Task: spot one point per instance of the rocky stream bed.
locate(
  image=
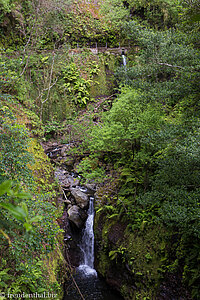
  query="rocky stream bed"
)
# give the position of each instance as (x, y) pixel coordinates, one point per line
(76, 198)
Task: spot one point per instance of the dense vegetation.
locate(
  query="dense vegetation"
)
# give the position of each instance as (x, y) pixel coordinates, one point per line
(143, 149)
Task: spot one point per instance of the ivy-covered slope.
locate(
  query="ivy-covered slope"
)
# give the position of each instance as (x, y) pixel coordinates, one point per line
(31, 238)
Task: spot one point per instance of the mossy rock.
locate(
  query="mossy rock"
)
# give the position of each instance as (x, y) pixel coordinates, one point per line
(133, 259)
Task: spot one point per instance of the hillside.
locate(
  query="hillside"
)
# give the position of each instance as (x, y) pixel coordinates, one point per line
(108, 91)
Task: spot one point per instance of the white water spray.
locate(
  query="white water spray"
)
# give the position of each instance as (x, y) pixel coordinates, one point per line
(124, 60)
(87, 243)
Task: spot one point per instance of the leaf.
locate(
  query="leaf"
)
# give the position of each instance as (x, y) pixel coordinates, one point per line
(36, 219)
(16, 211)
(23, 195)
(6, 236)
(27, 226)
(5, 187)
(113, 254)
(112, 216)
(25, 208)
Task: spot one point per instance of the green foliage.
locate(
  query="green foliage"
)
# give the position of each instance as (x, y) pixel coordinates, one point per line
(13, 140)
(51, 128)
(75, 85)
(115, 13)
(9, 76)
(151, 134)
(167, 68)
(5, 7)
(91, 169)
(128, 120)
(120, 252)
(24, 249)
(23, 243)
(157, 13)
(191, 10)
(19, 212)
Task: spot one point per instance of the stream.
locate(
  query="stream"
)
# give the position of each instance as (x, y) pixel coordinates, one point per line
(78, 219)
(91, 286)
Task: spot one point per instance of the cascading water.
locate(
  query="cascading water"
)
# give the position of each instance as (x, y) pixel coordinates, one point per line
(91, 286)
(124, 60)
(87, 243)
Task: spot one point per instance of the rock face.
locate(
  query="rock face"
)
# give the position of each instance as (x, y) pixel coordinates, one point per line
(81, 198)
(65, 179)
(77, 216)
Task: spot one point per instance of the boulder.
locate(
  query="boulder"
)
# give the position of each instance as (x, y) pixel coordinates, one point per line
(60, 174)
(65, 179)
(77, 216)
(69, 206)
(81, 198)
(73, 181)
(91, 186)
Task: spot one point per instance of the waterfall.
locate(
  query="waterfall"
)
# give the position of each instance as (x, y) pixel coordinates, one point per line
(87, 243)
(124, 60)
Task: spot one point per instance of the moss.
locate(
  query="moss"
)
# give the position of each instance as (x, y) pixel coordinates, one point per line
(104, 264)
(101, 234)
(103, 82)
(138, 256)
(144, 260)
(41, 168)
(54, 269)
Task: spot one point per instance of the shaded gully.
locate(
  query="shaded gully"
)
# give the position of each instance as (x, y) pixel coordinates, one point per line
(78, 219)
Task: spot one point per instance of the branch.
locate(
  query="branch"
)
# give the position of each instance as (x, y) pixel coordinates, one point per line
(50, 85)
(50, 79)
(70, 270)
(49, 88)
(169, 65)
(25, 65)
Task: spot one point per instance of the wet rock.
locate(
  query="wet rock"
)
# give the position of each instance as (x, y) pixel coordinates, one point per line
(64, 150)
(116, 233)
(67, 237)
(91, 186)
(81, 198)
(73, 182)
(65, 179)
(60, 174)
(73, 202)
(77, 216)
(66, 226)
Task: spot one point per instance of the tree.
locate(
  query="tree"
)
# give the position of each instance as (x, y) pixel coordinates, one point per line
(160, 14)
(167, 67)
(125, 124)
